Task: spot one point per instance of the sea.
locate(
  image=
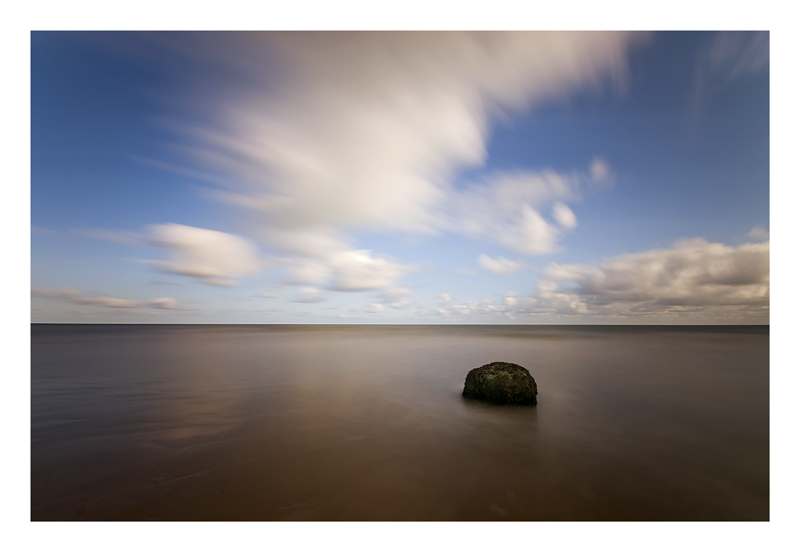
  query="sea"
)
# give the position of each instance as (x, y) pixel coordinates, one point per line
(367, 423)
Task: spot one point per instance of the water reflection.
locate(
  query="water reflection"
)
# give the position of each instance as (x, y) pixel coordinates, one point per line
(369, 423)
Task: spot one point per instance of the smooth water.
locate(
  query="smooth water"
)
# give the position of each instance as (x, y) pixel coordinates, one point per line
(230, 422)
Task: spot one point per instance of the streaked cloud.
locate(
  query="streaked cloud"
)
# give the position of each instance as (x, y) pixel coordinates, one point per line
(78, 298)
(215, 257)
(361, 270)
(506, 208)
(166, 303)
(73, 296)
(397, 298)
(738, 53)
(729, 56)
(564, 215)
(499, 266)
(758, 233)
(365, 131)
(308, 295)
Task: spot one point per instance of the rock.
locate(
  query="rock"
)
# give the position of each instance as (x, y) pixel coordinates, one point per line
(501, 383)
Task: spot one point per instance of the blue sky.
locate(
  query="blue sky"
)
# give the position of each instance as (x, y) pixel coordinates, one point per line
(400, 177)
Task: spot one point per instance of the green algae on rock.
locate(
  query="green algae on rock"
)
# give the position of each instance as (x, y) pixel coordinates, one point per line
(501, 383)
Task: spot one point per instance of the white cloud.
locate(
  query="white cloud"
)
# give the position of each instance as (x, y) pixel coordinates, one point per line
(75, 297)
(469, 309)
(269, 295)
(375, 308)
(694, 273)
(505, 208)
(694, 280)
(564, 215)
(500, 266)
(599, 170)
(308, 295)
(758, 233)
(397, 298)
(163, 303)
(358, 131)
(738, 53)
(303, 271)
(444, 299)
(216, 257)
(729, 56)
(344, 270)
(361, 270)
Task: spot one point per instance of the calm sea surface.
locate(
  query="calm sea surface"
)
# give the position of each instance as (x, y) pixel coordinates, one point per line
(230, 422)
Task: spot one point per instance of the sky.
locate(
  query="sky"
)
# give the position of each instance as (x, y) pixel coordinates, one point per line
(401, 177)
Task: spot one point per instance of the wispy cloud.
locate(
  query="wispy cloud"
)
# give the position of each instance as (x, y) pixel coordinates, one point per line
(758, 233)
(736, 53)
(499, 266)
(397, 298)
(728, 56)
(506, 208)
(308, 295)
(73, 296)
(77, 298)
(166, 303)
(215, 257)
(365, 131)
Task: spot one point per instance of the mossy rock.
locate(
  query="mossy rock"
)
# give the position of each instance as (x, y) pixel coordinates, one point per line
(501, 383)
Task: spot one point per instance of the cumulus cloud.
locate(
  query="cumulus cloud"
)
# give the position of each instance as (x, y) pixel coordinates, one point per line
(709, 281)
(470, 309)
(692, 273)
(375, 308)
(499, 266)
(444, 299)
(329, 134)
(215, 257)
